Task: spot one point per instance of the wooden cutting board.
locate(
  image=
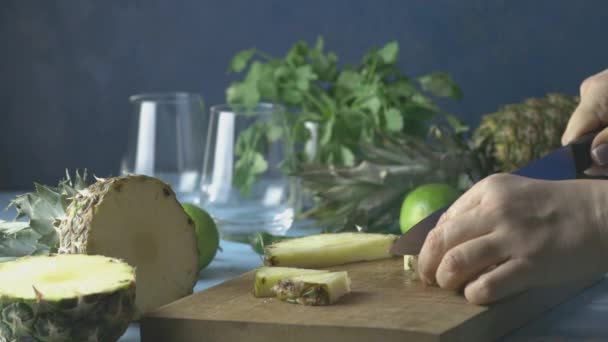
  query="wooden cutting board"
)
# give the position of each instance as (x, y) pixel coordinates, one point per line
(385, 305)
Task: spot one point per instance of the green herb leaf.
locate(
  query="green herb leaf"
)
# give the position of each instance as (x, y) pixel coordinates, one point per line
(349, 79)
(304, 75)
(240, 60)
(457, 125)
(373, 104)
(389, 52)
(348, 158)
(259, 164)
(440, 84)
(243, 93)
(394, 120)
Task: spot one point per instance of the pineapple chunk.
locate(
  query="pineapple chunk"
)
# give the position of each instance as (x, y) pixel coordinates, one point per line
(267, 277)
(314, 289)
(410, 262)
(325, 250)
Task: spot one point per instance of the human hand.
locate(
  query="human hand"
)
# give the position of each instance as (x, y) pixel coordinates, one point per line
(509, 233)
(592, 114)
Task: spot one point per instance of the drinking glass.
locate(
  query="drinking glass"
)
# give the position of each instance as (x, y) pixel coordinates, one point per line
(166, 140)
(241, 142)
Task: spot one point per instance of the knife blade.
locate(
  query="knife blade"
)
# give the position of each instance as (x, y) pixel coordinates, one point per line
(560, 164)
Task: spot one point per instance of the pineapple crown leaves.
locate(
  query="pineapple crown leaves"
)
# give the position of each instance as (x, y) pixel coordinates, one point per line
(368, 196)
(45, 207)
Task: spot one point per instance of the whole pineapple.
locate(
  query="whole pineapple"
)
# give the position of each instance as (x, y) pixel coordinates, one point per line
(519, 133)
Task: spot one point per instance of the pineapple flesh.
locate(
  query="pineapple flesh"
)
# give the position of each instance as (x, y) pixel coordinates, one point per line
(314, 289)
(267, 277)
(66, 298)
(410, 262)
(329, 249)
(138, 219)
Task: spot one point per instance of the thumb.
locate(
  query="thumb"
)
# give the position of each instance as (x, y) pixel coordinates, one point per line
(592, 110)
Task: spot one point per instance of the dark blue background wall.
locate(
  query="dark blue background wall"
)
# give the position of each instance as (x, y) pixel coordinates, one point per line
(67, 67)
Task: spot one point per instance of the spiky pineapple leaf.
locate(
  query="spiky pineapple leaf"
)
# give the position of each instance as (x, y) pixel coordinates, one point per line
(17, 239)
(368, 196)
(44, 208)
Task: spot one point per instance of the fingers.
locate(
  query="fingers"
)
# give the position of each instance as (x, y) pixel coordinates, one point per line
(584, 119)
(463, 227)
(509, 278)
(469, 200)
(467, 260)
(599, 149)
(592, 111)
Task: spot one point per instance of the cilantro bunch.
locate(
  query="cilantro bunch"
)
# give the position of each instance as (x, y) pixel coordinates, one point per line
(351, 105)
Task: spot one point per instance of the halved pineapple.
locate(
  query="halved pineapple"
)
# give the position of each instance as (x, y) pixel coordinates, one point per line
(138, 219)
(67, 297)
(325, 250)
(267, 277)
(314, 289)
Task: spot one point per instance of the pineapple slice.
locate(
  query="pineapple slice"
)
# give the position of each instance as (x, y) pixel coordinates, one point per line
(68, 297)
(267, 277)
(325, 250)
(314, 289)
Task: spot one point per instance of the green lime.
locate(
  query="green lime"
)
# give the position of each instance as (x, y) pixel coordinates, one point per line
(207, 235)
(423, 201)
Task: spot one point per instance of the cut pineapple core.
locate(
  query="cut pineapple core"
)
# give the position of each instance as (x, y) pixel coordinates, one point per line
(325, 250)
(67, 297)
(267, 277)
(314, 289)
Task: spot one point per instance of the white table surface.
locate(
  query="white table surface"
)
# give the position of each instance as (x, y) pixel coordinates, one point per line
(582, 318)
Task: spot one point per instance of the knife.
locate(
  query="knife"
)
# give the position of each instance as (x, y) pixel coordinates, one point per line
(560, 164)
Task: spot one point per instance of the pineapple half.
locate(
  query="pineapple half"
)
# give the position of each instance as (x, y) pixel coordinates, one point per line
(138, 219)
(66, 298)
(329, 249)
(314, 289)
(267, 277)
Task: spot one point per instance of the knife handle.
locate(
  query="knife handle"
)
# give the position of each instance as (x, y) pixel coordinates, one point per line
(581, 149)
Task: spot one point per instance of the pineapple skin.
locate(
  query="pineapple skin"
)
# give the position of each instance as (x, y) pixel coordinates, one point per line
(95, 317)
(340, 248)
(306, 291)
(267, 277)
(519, 133)
(74, 229)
